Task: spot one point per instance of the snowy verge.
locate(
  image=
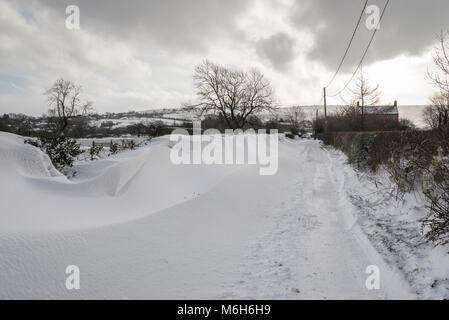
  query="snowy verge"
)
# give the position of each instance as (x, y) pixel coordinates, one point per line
(390, 232)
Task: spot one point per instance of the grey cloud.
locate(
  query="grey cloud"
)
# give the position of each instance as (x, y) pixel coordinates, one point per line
(409, 27)
(188, 25)
(143, 51)
(164, 36)
(278, 49)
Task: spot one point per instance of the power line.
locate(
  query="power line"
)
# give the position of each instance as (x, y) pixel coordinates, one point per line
(349, 44)
(366, 51)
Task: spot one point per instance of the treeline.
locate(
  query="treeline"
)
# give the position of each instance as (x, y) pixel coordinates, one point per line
(81, 126)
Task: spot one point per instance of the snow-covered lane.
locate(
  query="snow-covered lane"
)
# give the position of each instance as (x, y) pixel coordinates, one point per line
(307, 253)
(249, 236)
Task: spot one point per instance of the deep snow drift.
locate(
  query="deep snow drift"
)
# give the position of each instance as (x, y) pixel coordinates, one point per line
(125, 187)
(138, 226)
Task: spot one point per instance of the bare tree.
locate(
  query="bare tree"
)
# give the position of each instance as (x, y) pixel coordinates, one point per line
(436, 114)
(441, 60)
(235, 95)
(65, 103)
(363, 93)
(295, 115)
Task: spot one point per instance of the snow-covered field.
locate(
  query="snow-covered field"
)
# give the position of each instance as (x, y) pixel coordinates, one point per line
(121, 123)
(138, 226)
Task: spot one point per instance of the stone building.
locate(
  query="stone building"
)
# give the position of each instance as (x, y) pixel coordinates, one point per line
(376, 118)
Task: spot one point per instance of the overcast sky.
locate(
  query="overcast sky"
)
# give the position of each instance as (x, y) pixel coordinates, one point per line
(140, 54)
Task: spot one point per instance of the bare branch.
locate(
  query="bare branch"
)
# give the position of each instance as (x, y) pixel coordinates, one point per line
(65, 103)
(233, 94)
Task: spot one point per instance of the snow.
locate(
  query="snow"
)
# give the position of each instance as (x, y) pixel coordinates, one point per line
(391, 224)
(124, 122)
(139, 227)
(128, 186)
(25, 159)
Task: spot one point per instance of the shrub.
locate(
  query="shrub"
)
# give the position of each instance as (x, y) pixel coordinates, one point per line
(359, 150)
(3, 125)
(437, 194)
(113, 148)
(412, 159)
(297, 131)
(272, 124)
(318, 126)
(128, 144)
(406, 124)
(95, 150)
(62, 151)
(436, 190)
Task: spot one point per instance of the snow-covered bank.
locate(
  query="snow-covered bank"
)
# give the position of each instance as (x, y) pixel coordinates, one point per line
(139, 227)
(389, 228)
(39, 202)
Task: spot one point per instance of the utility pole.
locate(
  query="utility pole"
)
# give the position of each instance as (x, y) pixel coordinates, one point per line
(325, 110)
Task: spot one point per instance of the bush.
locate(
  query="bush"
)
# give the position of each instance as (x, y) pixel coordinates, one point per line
(3, 125)
(128, 144)
(272, 124)
(436, 190)
(113, 148)
(318, 126)
(412, 159)
(95, 150)
(437, 194)
(359, 150)
(62, 151)
(297, 131)
(406, 124)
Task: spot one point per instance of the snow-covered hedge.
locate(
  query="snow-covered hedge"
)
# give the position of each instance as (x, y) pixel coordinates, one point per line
(416, 161)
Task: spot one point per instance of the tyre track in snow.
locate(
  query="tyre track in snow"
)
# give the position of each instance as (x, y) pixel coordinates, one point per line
(306, 252)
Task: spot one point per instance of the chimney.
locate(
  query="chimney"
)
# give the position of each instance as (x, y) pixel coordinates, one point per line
(395, 103)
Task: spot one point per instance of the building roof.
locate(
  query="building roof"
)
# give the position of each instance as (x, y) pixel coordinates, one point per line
(391, 110)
